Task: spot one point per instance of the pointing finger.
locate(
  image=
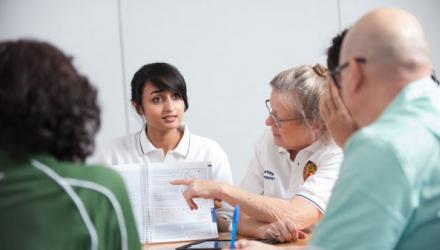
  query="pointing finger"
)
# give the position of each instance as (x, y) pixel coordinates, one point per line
(181, 182)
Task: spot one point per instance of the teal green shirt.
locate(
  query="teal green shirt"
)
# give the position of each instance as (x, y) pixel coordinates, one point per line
(47, 204)
(388, 192)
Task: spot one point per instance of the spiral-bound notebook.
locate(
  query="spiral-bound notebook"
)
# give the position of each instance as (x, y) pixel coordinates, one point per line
(160, 211)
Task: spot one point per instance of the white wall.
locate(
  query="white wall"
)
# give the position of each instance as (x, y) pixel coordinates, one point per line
(87, 30)
(227, 50)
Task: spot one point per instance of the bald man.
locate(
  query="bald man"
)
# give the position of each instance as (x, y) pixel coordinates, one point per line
(388, 192)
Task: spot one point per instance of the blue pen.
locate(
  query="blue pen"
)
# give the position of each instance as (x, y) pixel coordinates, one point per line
(234, 226)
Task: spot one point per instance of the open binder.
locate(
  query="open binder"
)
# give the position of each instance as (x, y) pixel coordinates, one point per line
(159, 208)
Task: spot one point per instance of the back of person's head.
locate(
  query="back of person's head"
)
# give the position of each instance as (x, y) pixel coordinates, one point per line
(46, 106)
(334, 50)
(163, 76)
(303, 86)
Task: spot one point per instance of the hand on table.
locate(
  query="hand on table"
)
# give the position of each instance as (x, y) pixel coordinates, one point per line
(283, 231)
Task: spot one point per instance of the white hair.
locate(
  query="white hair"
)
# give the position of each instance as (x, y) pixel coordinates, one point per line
(302, 88)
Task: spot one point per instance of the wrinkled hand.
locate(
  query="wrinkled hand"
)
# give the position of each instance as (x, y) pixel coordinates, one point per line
(196, 188)
(336, 116)
(251, 244)
(283, 231)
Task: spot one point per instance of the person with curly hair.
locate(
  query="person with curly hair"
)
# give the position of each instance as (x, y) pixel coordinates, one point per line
(48, 120)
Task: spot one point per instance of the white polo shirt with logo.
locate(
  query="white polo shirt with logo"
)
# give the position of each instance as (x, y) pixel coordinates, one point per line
(311, 175)
(138, 149)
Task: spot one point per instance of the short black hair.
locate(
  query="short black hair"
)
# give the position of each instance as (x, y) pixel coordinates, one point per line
(163, 76)
(46, 106)
(334, 50)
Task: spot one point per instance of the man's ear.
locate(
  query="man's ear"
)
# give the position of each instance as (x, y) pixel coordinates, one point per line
(356, 77)
(139, 109)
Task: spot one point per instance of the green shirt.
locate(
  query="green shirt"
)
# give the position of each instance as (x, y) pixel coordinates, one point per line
(388, 192)
(47, 204)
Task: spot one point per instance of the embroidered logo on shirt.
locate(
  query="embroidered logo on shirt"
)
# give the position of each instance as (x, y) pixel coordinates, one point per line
(268, 175)
(309, 169)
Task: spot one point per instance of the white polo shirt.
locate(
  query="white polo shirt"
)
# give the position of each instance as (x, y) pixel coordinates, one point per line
(137, 148)
(272, 173)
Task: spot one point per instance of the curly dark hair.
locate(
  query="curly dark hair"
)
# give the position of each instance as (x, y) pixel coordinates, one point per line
(46, 106)
(334, 50)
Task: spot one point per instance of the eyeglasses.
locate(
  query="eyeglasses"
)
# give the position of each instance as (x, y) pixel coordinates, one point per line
(278, 122)
(434, 77)
(336, 72)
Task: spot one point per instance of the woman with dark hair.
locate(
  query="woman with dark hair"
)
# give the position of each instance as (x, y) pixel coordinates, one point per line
(335, 114)
(48, 198)
(158, 93)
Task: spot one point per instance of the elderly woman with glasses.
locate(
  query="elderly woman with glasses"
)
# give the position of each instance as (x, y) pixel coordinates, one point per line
(294, 167)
